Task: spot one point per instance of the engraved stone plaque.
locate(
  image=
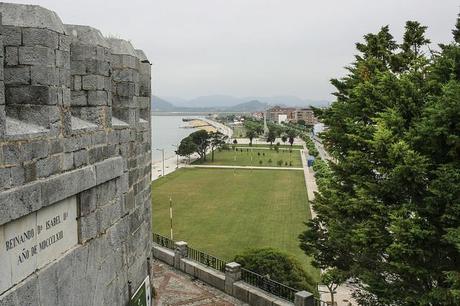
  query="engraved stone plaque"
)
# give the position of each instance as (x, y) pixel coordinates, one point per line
(31, 242)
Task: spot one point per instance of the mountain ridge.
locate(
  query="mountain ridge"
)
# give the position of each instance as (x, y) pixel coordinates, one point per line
(214, 103)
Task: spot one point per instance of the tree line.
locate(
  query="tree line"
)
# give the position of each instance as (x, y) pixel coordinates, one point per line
(388, 211)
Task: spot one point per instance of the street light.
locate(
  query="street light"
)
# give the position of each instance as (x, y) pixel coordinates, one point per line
(163, 156)
(177, 156)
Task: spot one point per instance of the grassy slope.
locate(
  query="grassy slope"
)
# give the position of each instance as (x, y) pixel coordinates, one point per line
(244, 158)
(224, 213)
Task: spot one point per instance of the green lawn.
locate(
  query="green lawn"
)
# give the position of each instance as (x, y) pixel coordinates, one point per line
(224, 212)
(238, 158)
(239, 132)
(268, 146)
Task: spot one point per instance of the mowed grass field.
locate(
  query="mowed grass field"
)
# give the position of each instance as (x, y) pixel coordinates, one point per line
(238, 158)
(259, 145)
(223, 212)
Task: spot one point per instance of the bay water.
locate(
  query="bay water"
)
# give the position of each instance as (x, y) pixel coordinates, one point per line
(167, 133)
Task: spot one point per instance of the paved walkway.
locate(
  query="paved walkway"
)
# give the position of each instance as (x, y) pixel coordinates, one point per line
(244, 167)
(174, 288)
(265, 148)
(343, 292)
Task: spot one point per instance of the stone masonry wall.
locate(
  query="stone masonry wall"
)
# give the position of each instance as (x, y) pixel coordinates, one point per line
(70, 126)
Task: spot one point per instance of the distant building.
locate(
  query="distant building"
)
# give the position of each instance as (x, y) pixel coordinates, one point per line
(282, 118)
(290, 114)
(307, 115)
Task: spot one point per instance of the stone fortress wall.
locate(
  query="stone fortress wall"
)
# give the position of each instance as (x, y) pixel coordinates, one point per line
(75, 162)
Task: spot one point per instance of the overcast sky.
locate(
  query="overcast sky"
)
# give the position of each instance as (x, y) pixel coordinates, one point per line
(251, 47)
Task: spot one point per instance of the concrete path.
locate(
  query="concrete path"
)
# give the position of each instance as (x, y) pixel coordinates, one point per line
(174, 288)
(343, 293)
(265, 148)
(244, 167)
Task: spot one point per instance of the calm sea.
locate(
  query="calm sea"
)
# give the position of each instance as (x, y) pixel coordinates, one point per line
(167, 132)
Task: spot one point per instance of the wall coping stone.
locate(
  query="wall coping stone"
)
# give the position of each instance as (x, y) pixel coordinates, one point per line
(86, 35)
(33, 16)
(121, 46)
(23, 200)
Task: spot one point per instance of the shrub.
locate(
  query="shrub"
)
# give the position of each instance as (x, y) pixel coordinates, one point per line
(280, 163)
(270, 161)
(263, 153)
(290, 163)
(285, 163)
(279, 266)
(260, 162)
(258, 153)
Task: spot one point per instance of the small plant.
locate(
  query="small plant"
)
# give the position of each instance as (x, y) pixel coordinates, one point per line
(285, 163)
(280, 163)
(247, 150)
(258, 153)
(260, 162)
(270, 161)
(290, 163)
(235, 141)
(263, 153)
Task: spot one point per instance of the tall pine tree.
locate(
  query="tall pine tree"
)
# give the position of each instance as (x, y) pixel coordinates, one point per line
(389, 214)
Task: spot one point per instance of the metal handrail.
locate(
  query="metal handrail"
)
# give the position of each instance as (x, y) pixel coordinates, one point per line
(268, 285)
(163, 241)
(206, 259)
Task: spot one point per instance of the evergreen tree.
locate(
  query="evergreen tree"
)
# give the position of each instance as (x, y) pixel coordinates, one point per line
(388, 214)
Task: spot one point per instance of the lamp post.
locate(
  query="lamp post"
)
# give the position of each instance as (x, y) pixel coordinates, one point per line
(177, 156)
(163, 157)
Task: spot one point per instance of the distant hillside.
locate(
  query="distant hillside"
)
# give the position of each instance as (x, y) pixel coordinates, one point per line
(160, 105)
(222, 103)
(251, 106)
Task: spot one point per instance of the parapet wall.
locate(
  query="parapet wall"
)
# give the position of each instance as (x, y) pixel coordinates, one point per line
(75, 162)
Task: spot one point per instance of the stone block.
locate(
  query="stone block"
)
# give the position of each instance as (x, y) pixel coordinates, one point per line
(48, 166)
(88, 228)
(35, 149)
(304, 298)
(80, 158)
(126, 89)
(12, 36)
(35, 94)
(77, 67)
(88, 200)
(36, 55)
(99, 138)
(56, 146)
(64, 42)
(64, 77)
(41, 75)
(241, 291)
(109, 169)
(17, 176)
(98, 97)
(2, 101)
(76, 82)
(78, 98)
(12, 154)
(11, 56)
(20, 201)
(17, 75)
(67, 161)
(63, 59)
(5, 181)
(42, 37)
(93, 82)
(67, 184)
(2, 127)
